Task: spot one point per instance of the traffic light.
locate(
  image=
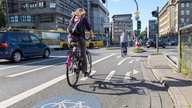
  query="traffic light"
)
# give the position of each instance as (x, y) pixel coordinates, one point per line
(103, 1)
(138, 24)
(154, 13)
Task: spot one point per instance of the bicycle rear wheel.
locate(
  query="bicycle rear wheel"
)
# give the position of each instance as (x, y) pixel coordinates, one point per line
(89, 62)
(73, 71)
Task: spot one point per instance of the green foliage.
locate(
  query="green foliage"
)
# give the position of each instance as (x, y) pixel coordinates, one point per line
(2, 17)
(143, 33)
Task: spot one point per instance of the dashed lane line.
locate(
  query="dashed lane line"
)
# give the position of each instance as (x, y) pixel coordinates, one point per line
(123, 61)
(33, 70)
(131, 61)
(9, 67)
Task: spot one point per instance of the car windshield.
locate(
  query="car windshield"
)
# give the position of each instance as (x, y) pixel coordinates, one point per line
(1, 37)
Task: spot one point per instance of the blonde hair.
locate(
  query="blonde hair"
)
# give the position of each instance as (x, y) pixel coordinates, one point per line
(79, 12)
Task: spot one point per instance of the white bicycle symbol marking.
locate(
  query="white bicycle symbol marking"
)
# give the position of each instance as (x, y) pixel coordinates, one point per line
(65, 104)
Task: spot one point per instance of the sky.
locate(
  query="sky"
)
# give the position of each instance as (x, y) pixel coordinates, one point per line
(145, 8)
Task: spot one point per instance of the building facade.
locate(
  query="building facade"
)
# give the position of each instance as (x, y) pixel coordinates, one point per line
(100, 16)
(121, 23)
(151, 29)
(46, 14)
(175, 14)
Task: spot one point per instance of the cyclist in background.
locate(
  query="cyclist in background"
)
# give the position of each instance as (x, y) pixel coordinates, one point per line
(80, 12)
(123, 41)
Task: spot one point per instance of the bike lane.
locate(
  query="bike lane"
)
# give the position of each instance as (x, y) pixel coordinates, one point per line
(69, 101)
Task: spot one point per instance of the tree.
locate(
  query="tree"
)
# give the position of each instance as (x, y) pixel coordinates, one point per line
(2, 16)
(143, 33)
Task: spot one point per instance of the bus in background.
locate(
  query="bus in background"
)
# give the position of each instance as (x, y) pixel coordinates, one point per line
(95, 42)
(57, 39)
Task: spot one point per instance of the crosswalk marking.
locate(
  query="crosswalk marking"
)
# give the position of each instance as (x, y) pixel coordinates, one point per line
(85, 78)
(107, 79)
(127, 78)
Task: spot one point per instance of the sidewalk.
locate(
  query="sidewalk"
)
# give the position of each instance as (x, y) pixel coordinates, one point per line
(179, 86)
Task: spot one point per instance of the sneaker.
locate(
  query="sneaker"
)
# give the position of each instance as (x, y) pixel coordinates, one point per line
(86, 74)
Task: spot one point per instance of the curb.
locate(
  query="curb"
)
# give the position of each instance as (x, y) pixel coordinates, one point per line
(176, 95)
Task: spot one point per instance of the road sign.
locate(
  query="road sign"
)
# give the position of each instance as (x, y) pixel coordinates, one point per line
(136, 17)
(137, 13)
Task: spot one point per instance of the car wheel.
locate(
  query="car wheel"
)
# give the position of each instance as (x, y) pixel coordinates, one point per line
(91, 45)
(46, 53)
(16, 56)
(65, 46)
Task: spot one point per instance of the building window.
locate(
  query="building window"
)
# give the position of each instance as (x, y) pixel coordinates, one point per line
(187, 12)
(15, 19)
(182, 5)
(42, 4)
(182, 20)
(187, 20)
(60, 20)
(23, 6)
(182, 12)
(187, 4)
(46, 18)
(33, 5)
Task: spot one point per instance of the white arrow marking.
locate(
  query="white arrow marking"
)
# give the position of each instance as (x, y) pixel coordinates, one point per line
(84, 78)
(127, 78)
(109, 76)
(135, 71)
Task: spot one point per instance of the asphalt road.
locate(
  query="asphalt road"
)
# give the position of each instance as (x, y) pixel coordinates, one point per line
(116, 82)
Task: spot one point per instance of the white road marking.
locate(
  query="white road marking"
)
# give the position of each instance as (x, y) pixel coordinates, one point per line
(131, 61)
(85, 78)
(127, 78)
(135, 71)
(122, 61)
(107, 79)
(33, 70)
(102, 59)
(19, 97)
(29, 63)
(118, 56)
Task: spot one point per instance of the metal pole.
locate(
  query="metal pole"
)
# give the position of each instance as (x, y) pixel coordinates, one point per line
(157, 31)
(7, 13)
(137, 18)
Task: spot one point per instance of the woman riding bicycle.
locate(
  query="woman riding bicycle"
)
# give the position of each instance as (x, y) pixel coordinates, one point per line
(80, 12)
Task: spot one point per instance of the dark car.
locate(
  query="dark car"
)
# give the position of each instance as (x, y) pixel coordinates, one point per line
(17, 45)
(152, 43)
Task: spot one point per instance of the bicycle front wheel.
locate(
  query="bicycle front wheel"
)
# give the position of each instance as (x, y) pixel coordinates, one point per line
(73, 71)
(89, 62)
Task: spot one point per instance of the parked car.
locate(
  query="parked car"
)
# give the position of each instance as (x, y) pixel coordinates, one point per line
(173, 43)
(17, 45)
(152, 43)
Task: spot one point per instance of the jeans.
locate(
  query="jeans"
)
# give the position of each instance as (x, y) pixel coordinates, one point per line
(82, 46)
(124, 44)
